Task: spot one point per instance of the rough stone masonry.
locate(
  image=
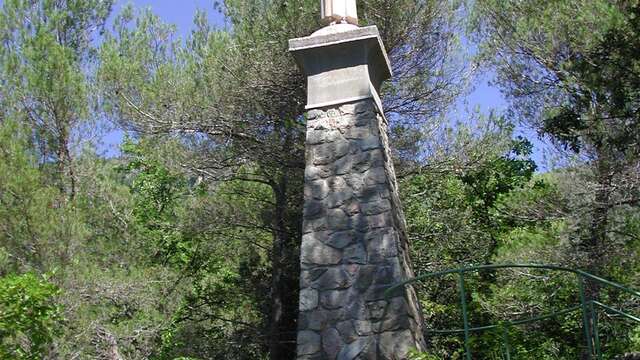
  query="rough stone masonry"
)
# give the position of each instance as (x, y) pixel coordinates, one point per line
(354, 245)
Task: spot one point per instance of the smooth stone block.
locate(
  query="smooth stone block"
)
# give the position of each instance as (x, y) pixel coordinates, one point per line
(334, 278)
(315, 252)
(342, 239)
(308, 342)
(308, 299)
(331, 342)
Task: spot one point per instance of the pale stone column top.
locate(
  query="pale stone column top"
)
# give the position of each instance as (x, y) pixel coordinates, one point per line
(339, 11)
(343, 63)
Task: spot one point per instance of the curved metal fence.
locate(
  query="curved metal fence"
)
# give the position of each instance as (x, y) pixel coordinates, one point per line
(588, 307)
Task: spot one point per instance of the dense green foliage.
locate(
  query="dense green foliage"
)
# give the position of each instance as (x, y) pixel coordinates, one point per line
(570, 70)
(185, 245)
(29, 316)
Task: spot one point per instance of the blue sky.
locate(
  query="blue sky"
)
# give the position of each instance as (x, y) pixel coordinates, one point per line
(178, 12)
(181, 12)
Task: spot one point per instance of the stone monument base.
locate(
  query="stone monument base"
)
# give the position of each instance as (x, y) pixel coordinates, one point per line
(354, 245)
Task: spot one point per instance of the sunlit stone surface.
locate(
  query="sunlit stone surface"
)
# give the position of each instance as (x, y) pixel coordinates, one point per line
(336, 11)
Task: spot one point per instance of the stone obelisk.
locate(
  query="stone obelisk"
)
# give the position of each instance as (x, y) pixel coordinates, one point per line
(354, 245)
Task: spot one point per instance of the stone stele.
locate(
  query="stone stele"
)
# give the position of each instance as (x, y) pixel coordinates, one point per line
(339, 11)
(354, 245)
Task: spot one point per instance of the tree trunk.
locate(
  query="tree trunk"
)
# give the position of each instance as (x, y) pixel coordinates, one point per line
(600, 216)
(281, 321)
(595, 245)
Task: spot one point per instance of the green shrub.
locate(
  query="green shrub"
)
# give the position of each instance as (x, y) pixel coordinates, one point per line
(29, 316)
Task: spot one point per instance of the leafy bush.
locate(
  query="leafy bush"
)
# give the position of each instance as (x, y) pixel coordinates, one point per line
(29, 316)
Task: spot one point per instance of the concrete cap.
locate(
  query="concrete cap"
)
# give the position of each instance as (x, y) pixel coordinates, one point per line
(340, 34)
(335, 28)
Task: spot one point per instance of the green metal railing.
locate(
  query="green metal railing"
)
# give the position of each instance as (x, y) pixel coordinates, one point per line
(589, 308)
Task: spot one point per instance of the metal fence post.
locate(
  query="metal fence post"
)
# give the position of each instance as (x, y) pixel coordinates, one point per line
(465, 318)
(505, 339)
(585, 318)
(596, 333)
